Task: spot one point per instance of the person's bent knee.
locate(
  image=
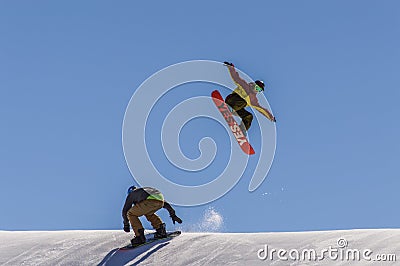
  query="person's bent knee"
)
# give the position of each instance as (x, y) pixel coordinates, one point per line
(131, 212)
(247, 120)
(229, 100)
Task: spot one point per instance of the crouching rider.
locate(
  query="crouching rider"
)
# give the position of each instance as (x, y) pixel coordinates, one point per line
(145, 201)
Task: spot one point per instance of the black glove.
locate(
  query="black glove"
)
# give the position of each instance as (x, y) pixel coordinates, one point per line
(127, 228)
(175, 219)
(228, 64)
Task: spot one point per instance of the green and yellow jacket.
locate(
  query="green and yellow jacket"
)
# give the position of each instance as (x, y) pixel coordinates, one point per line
(141, 194)
(248, 93)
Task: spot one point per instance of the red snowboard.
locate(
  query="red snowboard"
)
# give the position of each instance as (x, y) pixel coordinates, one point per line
(233, 125)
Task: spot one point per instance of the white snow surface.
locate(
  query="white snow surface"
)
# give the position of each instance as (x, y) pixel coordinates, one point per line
(101, 248)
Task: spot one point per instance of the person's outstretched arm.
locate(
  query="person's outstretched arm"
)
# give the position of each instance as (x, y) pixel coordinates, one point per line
(172, 213)
(255, 104)
(265, 112)
(127, 206)
(235, 75)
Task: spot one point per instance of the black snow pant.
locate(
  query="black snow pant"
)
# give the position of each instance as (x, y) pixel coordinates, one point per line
(238, 104)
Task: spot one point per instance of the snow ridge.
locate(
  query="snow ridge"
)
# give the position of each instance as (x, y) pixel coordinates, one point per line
(101, 248)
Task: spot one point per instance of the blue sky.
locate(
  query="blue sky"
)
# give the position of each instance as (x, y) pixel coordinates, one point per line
(68, 70)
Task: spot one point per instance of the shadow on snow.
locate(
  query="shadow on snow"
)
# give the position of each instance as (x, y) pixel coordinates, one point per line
(122, 257)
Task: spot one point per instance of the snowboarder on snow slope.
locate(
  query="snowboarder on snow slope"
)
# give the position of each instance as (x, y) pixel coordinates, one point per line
(146, 201)
(245, 95)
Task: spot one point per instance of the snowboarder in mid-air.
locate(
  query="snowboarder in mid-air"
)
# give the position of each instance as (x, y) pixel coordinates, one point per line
(146, 201)
(245, 95)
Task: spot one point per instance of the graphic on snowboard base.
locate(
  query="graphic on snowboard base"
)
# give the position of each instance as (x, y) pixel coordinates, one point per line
(170, 235)
(233, 125)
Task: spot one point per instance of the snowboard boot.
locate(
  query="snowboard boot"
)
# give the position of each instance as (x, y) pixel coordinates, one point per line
(161, 232)
(138, 240)
(243, 128)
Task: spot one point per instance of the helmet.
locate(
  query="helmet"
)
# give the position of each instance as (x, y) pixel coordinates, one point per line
(260, 83)
(130, 189)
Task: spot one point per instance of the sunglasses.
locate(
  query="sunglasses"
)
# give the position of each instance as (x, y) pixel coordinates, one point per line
(258, 88)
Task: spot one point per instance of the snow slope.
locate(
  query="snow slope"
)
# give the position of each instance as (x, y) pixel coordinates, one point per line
(100, 248)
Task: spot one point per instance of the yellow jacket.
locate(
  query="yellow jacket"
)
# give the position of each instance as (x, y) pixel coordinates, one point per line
(248, 93)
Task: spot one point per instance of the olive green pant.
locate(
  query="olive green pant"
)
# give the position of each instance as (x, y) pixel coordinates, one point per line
(238, 104)
(147, 208)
